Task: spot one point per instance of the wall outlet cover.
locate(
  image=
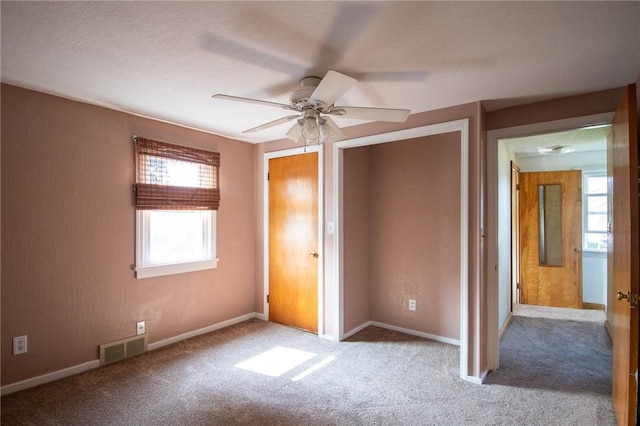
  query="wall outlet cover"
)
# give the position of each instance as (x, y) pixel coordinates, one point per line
(140, 328)
(20, 345)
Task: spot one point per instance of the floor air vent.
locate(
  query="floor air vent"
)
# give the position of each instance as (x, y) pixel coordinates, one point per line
(121, 349)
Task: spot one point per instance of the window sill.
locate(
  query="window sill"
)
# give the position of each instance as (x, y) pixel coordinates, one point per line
(177, 268)
(594, 253)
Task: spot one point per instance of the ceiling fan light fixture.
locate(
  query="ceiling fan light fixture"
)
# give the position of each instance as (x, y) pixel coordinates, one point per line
(310, 131)
(306, 130)
(329, 131)
(295, 132)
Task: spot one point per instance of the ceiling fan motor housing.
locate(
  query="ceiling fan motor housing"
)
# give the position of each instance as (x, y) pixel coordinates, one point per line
(300, 97)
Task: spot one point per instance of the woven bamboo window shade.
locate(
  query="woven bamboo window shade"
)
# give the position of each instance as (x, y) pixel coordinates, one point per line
(175, 177)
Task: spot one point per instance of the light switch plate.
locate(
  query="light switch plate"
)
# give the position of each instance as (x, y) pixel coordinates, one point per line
(330, 228)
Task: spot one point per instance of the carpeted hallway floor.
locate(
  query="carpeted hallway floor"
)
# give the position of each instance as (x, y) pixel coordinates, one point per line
(258, 373)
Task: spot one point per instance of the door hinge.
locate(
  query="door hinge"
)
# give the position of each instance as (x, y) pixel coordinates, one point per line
(517, 187)
(517, 286)
(268, 175)
(267, 298)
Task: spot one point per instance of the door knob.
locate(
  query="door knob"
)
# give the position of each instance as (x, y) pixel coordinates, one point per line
(578, 250)
(313, 254)
(630, 297)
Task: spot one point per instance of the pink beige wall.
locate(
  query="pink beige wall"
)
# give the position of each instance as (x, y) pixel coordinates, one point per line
(415, 232)
(555, 109)
(68, 235)
(402, 237)
(357, 185)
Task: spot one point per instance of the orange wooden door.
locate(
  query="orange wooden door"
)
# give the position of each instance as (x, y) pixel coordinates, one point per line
(552, 283)
(293, 241)
(624, 250)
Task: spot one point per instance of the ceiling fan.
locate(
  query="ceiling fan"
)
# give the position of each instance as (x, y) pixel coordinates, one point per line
(313, 102)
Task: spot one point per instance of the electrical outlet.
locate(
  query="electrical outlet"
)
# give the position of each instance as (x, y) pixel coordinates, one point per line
(20, 345)
(412, 304)
(140, 328)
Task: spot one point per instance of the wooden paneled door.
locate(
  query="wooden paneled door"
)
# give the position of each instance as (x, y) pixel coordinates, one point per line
(557, 283)
(293, 241)
(624, 252)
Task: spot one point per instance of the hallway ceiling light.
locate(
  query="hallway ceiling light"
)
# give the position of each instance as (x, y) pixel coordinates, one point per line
(555, 150)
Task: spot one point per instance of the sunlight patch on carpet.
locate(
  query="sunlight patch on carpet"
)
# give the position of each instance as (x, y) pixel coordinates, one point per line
(275, 362)
(313, 368)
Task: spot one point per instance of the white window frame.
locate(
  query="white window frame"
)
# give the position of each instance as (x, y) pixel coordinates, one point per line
(585, 206)
(145, 269)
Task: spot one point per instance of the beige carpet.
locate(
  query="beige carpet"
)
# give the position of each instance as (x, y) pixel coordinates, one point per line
(258, 373)
(533, 311)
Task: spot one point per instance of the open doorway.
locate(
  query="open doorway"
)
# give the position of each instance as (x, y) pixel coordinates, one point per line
(461, 127)
(534, 340)
(520, 145)
(573, 161)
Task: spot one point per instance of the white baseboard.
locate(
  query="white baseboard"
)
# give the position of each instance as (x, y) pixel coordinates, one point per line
(49, 377)
(505, 326)
(328, 337)
(417, 333)
(477, 380)
(402, 330)
(205, 330)
(356, 330)
(77, 369)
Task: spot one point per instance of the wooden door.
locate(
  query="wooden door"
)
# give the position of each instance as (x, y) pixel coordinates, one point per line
(623, 248)
(551, 276)
(293, 241)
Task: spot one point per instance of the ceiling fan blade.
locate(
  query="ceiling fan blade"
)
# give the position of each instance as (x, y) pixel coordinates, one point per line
(332, 87)
(254, 101)
(375, 114)
(271, 124)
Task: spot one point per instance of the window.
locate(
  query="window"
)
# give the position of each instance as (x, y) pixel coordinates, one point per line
(177, 195)
(595, 211)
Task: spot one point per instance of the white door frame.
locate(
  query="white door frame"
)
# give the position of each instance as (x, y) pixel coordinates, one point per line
(461, 126)
(493, 273)
(320, 249)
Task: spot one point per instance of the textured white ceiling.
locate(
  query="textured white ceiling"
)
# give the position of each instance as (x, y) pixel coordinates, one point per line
(586, 139)
(165, 59)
